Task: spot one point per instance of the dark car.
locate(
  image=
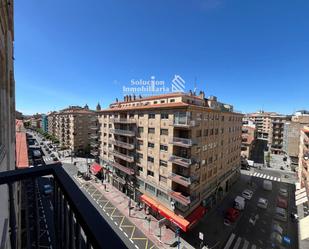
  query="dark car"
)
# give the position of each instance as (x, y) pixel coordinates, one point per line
(232, 214)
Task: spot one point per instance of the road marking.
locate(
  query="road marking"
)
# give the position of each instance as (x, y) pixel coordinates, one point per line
(275, 179)
(133, 230)
(279, 180)
(136, 247)
(125, 234)
(254, 174)
(237, 243)
(229, 242)
(271, 178)
(246, 244)
(116, 223)
(267, 177)
(131, 241)
(258, 174)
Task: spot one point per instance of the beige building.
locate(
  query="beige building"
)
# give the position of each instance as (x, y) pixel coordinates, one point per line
(263, 124)
(7, 127)
(248, 137)
(292, 133)
(72, 127)
(176, 152)
(303, 172)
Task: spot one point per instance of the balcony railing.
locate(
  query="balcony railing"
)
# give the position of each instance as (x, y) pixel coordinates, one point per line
(186, 162)
(184, 142)
(121, 144)
(77, 223)
(123, 132)
(94, 136)
(94, 144)
(94, 152)
(125, 157)
(123, 168)
(123, 120)
(184, 122)
(182, 180)
(178, 196)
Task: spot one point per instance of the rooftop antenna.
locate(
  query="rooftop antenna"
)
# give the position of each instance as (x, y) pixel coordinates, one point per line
(194, 90)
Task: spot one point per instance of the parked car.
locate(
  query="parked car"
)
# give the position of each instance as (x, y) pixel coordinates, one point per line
(282, 203)
(247, 194)
(239, 203)
(267, 185)
(253, 219)
(277, 228)
(232, 214)
(47, 189)
(283, 192)
(262, 203)
(280, 214)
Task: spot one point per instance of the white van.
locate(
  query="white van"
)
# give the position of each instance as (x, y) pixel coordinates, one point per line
(267, 185)
(239, 203)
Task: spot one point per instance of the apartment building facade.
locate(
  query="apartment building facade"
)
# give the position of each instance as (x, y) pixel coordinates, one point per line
(72, 127)
(277, 133)
(249, 136)
(263, 124)
(9, 238)
(291, 134)
(179, 152)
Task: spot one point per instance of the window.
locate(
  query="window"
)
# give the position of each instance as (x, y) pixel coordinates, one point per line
(155, 102)
(222, 118)
(150, 145)
(163, 131)
(161, 194)
(140, 115)
(151, 130)
(163, 163)
(150, 159)
(163, 147)
(140, 168)
(150, 188)
(140, 129)
(211, 132)
(172, 100)
(198, 133)
(205, 132)
(151, 116)
(150, 173)
(164, 116)
(216, 131)
(162, 179)
(139, 155)
(162, 101)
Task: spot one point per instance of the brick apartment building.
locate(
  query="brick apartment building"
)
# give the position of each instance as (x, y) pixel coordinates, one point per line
(177, 153)
(249, 135)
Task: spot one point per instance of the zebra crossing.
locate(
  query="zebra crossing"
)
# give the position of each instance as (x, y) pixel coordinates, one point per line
(238, 243)
(265, 176)
(47, 158)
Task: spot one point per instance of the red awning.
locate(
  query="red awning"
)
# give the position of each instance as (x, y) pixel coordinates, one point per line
(182, 223)
(196, 215)
(95, 168)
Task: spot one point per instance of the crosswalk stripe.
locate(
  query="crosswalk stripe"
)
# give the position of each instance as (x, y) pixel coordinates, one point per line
(279, 180)
(254, 174)
(267, 177)
(246, 244)
(271, 178)
(258, 174)
(229, 242)
(237, 243)
(264, 176)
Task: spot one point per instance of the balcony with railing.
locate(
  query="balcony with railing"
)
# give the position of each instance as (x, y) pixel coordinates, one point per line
(182, 180)
(122, 132)
(185, 162)
(184, 142)
(180, 197)
(94, 152)
(94, 136)
(121, 144)
(125, 157)
(122, 168)
(123, 120)
(77, 223)
(183, 119)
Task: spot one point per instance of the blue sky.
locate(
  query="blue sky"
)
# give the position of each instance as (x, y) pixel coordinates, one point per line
(252, 54)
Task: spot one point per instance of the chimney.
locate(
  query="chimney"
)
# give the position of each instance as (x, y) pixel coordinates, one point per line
(130, 98)
(134, 97)
(202, 94)
(190, 92)
(124, 98)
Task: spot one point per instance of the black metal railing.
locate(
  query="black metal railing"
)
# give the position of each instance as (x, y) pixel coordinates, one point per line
(77, 223)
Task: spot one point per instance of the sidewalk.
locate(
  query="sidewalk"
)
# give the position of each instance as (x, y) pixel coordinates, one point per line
(137, 217)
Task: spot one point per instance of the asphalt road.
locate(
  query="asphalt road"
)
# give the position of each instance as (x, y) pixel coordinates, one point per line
(244, 235)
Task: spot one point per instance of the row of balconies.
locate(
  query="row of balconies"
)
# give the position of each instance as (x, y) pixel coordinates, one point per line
(122, 132)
